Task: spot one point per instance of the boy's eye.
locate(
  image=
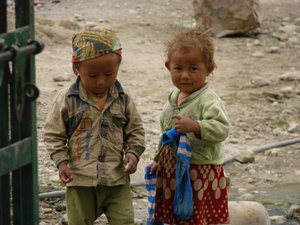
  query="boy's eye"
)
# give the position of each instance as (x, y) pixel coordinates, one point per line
(193, 69)
(177, 68)
(108, 74)
(92, 75)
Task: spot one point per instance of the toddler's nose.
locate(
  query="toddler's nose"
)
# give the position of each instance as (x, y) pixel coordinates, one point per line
(185, 75)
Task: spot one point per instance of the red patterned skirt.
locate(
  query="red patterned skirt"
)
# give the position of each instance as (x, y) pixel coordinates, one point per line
(209, 193)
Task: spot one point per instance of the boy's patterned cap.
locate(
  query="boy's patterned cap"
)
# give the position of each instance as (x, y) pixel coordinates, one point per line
(94, 42)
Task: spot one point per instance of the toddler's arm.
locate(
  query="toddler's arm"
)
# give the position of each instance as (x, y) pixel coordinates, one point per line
(186, 125)
(154, 166)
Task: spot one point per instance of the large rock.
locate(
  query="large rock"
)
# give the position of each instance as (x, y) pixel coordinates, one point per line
(227, 17)
(248, 213)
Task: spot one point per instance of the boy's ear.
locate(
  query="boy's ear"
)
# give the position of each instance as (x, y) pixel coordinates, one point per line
(75, 69)
(167, 64)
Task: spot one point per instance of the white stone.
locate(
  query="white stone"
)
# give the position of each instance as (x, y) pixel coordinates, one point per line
(258, 55)
(278, 219)
(248, 213)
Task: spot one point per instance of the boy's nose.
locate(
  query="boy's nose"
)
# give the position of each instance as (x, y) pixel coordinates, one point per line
(100, 82)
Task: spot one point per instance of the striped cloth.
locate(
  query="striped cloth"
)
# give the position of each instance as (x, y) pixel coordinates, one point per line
(150, 180)
(183, 199)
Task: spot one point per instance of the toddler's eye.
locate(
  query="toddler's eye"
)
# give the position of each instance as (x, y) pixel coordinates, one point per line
(177, 68)
(108, 74)
(193, 69)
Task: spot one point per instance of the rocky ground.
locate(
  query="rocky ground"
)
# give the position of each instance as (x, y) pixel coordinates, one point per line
(258, 77)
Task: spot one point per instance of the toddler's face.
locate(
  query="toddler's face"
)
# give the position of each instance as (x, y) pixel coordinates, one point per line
(188, 71)
(99, 74)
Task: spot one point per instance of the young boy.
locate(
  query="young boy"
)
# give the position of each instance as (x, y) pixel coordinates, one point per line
(94, 133)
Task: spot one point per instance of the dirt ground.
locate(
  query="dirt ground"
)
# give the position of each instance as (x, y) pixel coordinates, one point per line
(262, 108)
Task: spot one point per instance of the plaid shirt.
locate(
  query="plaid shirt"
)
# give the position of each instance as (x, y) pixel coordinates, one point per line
(93, 141)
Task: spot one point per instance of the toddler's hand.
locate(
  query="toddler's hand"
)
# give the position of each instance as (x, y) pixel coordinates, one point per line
(186, 125)
(130, 163)
(64, 172)
(154, 167)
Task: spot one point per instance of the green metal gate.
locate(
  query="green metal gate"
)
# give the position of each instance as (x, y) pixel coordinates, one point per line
(18, 139)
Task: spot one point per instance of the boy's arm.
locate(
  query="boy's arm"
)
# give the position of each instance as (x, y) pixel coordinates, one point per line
(134, 134)
(55, 136)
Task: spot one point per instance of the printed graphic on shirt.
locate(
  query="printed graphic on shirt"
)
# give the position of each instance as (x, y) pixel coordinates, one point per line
(83, 129)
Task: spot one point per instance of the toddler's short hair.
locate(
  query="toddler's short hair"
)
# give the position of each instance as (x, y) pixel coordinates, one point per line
(193, 39)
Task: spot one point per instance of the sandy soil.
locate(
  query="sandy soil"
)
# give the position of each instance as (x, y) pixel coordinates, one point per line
(261, 107)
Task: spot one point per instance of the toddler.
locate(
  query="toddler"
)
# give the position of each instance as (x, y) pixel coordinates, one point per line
(194, 111)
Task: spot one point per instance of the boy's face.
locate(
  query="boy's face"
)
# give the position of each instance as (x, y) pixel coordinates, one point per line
(188, 71)
(98, 74)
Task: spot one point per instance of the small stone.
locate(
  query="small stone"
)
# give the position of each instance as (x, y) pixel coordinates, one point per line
(233, 141)
(297, 173)
(274, 49)
(242, 190)
(252, 171)
(274, 95)
(291, 76)
(259, 82)
(246, 197)
(251, 180)
(245, 157)
(286, 90)
(101, 20)
(294, 128)
(90, 25)
(69, 24)
(287, 28)
(258, 55)
(293, 40)
(286, 19)
(272, 152)
(297, 21)
(64, 219)
(294, 212)
(47, 210)
(278, 219)
(78, 17)
(60, 78)
(256, 42)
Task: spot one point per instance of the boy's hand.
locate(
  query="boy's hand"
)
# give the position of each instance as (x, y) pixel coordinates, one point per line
(64, 172)
(186, 125)
(130, 163)
(154, 167)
